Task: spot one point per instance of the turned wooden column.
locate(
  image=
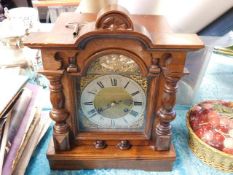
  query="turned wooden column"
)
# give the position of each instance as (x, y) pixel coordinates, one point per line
(166, 112)
(61, 131)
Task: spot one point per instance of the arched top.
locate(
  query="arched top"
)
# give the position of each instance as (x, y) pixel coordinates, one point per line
(114, 17)
(135, 63)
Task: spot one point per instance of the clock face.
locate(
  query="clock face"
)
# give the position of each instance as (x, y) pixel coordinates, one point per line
(113, 101)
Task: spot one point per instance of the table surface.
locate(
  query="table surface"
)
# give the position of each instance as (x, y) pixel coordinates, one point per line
(217, 84)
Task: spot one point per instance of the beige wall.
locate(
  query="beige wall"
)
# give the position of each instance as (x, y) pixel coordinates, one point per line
(187, 16)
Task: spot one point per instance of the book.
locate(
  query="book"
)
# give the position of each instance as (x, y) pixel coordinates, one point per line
(29, 140)
(2, 124)
(17, 113)
(10, 90)
(4, 140)
(21, 162)
(25, 130)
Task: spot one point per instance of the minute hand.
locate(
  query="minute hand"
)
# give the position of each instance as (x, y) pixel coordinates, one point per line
(108, 106)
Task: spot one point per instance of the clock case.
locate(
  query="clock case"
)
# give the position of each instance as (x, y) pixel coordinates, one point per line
(160, 55)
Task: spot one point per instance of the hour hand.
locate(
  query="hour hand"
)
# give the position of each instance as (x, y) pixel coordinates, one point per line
(127, 102)
(102, 109)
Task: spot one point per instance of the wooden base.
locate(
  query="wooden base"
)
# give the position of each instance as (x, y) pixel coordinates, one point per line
(88, 157)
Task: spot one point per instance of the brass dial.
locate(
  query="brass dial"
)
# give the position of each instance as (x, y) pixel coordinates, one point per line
(113, 101)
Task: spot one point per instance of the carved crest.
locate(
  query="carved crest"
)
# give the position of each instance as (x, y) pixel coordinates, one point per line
(114, 18)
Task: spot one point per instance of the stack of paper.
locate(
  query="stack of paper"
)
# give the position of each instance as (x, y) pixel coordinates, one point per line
(22, 123)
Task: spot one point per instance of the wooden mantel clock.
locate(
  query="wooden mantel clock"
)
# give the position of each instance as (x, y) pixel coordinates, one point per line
(112, 88)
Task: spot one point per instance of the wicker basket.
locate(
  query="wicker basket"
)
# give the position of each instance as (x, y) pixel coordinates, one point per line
(209, 155)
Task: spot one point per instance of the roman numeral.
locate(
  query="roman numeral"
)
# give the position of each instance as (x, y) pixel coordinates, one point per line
(100, 110)
(125, 120)
(127, 102)
(126, 84)
(100, 84)
(92, 113)
(137, 103)
(91, 92)
(101, 118)
(113, 82)
(135, 93)
(88, 103)
(112, 123)
(134, 113)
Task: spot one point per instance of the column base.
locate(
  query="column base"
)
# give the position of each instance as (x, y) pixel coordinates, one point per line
(162, 142)
(88, 157)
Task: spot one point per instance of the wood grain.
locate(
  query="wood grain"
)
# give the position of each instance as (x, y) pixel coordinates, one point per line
(157, 29)
(87, 157)
(160, 55)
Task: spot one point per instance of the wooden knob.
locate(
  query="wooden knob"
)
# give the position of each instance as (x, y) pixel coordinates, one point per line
(100, 144)
(124, 145)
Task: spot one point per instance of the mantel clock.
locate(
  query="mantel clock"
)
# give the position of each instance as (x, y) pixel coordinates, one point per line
(113, 80)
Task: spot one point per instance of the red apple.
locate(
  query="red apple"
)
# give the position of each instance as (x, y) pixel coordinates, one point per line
(212, 127)
(218, 146)
(206, 111)
(195, 111)
(194, 124)
(208, 136)
(228, 104)
(222, 129)
(207, 106)
(196, 108)
(215, 122)
(224, 121)
(230, 124)
(212, 114)
(199, 132)
(218, 138)
(207, 127)
(203, 119)
(193, 117)
(228, 150)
